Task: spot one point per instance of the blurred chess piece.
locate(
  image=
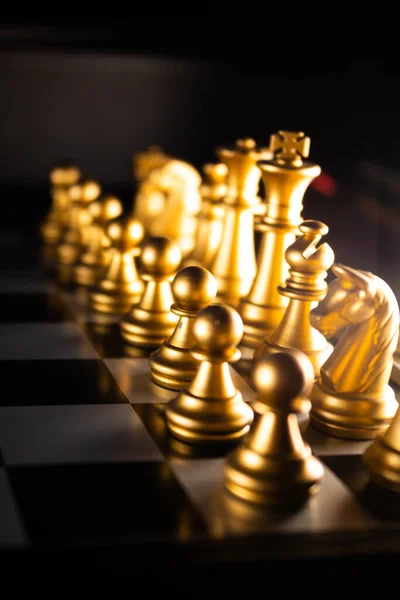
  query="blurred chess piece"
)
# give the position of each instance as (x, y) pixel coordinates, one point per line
(305, 287)
(93, 260)
(211, 410)
(62, 178)
(78, 217)
(146, 161)
(286, 178)
(382, 457)
(273, 465)
(234, 264)
(172, 365)
(150, 321)
(352, 398)
(396, 365)
(210, 218)
(120, 286)
(168, 202)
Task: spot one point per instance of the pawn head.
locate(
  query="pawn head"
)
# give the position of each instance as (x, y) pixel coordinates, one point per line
(106, 208)
(90, 190)
(85, 191)
(218, 329)
(65, 175)
(215, 173)
(194, 288)
(125, 234)
(160, 256)
(281, 378)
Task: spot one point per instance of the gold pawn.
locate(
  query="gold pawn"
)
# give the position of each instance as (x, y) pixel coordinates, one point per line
(273, 465)
(234, 264)
(172, 365)
(121, 285)
(210, 218)
(78, 218)
(305, 287)
(212, 410)
(150, 321)
(286, 178)
(94, 257)
(382, 457)
(61, 179)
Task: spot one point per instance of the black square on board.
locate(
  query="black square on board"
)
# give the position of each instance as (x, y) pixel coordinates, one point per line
(57, 382)
(32, 308)
(105, 503)
(106, 340)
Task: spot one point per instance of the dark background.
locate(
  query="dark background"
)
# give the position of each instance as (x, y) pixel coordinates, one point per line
(95, 93)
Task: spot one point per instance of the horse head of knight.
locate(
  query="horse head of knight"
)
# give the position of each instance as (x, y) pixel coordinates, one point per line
(351, 300)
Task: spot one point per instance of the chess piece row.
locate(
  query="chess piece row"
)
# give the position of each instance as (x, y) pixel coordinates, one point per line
(350, 398)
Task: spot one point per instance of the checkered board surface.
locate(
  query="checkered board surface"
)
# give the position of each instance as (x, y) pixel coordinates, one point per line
(86, 461)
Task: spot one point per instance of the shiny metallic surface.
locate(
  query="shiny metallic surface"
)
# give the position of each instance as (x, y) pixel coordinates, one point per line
(352, 397)
(305, 287)
(120, 285)
(150, 321)
(211, 410)
(286, 177)
(172, 366)
(273, 465)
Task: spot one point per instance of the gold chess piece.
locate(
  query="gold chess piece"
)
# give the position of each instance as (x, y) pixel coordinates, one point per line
(352, 398)
(172, 365)
(396, 365)
(382, 457)
(286, 178)
(147, 160)
(168, 202)
(94, 258)
(78, 217)
(305, 287)
(120, 286)
(212, 410)
(61, 179)
(273, 465)
(210, 218)
(150, 321)
(234, 264)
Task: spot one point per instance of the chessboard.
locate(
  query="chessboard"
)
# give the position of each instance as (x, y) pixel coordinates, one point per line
(88, 471)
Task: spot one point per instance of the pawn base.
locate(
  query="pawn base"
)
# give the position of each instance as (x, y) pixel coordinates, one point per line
(172, 368)
(51, 232)
(149, 332)
(67, 254)
(383, 463)
(208, 421)
(86, 274)
(115, 302)
(352, 416)
(270, 480)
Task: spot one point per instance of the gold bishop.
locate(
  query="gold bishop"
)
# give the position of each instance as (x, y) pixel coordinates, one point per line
(305, 287)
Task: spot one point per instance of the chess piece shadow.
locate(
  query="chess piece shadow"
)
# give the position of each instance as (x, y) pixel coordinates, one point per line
(243, 367)
(48, 256)
(161, 392)
(231, 515)
(380, 502)
(178, 448)
(132, 351)
(81, 295)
